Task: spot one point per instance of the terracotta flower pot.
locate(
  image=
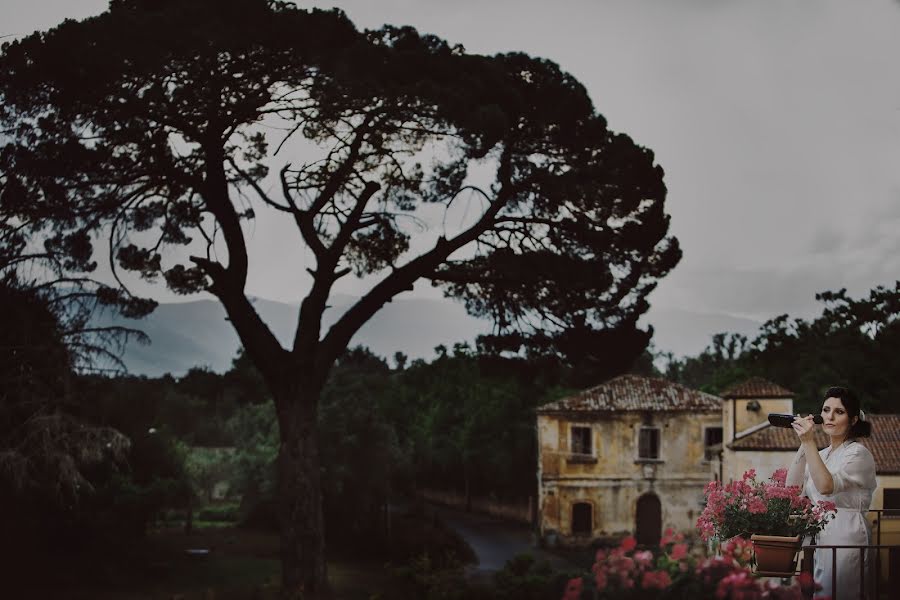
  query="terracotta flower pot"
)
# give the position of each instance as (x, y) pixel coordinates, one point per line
(775, 554)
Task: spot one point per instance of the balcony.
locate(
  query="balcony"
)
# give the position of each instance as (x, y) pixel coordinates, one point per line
(882, 579)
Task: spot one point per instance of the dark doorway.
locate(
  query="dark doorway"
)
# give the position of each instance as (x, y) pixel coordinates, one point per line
(582, 518)
(648, 525)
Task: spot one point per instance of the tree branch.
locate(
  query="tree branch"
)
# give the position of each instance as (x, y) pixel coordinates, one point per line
(259, 191)
(403, 278)
(309, 324)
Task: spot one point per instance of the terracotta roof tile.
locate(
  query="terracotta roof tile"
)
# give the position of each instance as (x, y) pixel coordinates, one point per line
(757, 387)
(884, 443)
(636, 393)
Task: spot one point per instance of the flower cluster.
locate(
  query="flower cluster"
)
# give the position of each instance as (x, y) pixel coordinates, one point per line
(738, 549)
(745, 507)
(724, 578)
(624, 569)
(671, 573)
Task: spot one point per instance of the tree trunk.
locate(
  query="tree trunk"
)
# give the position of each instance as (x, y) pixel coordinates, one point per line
(303, 568)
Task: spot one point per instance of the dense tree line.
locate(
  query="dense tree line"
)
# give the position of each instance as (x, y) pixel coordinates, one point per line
(854, 342)
(462, 421)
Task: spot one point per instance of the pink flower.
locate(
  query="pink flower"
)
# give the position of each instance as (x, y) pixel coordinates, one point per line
(751, 474)
(600, 580)
(643, 558)
(656, 580)
(713, 570)
(739, 586)
(780, 477)
(756, 505)
(573, 589)
(667, 537)
(679, 551)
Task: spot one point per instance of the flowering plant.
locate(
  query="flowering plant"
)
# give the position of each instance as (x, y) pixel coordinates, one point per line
(745, 507)
(626, 571)
(671, 572)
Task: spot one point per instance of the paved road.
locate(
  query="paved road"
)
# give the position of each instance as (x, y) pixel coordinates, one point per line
(494, 541)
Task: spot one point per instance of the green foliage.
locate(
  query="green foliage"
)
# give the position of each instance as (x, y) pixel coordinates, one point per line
(524, 578)
(254, 429)
(207, 467)
(425, 578)
(854, 342)
(226, 513)
(467, 421)
(360, 453)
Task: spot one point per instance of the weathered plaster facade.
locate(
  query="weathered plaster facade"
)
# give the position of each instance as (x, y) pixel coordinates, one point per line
(613, 479)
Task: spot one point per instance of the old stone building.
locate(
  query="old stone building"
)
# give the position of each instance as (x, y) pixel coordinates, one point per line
(627, 456)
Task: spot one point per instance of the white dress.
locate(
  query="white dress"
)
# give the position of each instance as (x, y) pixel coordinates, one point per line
(853, 470)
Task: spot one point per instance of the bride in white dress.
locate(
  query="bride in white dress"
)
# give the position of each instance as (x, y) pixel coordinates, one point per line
(843, 473)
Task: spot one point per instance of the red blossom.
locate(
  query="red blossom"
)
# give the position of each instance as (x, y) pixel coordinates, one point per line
(656, 580)
(667, 537)
(628, 544)
(739, 586)
(748, 506)
(756, 505)
(780, 476)
(679, 551)
(573, 589)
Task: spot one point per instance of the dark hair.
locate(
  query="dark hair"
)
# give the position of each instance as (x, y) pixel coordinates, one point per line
(851, 405)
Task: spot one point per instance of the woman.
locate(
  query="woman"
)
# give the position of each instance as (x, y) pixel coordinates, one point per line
(843, 473)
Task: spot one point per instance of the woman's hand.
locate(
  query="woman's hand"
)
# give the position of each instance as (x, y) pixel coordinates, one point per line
(804, 428)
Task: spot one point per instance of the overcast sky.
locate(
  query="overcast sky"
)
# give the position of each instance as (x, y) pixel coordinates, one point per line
(777, 123)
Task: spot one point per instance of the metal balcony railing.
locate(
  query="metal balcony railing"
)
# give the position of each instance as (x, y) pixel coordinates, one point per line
(869, 581)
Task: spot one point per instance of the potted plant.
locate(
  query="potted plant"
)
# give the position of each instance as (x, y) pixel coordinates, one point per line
(774, 516)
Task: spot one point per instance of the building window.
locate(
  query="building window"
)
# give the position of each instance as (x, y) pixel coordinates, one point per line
(581, 440)
(581, 518)
(648, 443)
(712, 442)
(891, 503)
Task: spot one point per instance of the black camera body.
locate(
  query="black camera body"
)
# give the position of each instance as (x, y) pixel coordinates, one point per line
(784, 420)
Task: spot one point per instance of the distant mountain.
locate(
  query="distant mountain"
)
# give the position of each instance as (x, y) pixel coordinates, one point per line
(184, 335)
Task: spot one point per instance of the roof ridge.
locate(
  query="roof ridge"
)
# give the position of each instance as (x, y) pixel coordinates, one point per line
(633, 392)
(756, 386)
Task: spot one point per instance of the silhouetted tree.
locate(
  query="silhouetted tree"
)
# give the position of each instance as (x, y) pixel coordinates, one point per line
(145, 124)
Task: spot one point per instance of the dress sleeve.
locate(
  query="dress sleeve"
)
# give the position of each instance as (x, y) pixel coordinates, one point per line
(857, 470)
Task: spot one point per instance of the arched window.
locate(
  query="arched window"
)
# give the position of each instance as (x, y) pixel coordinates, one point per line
(582, 518)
